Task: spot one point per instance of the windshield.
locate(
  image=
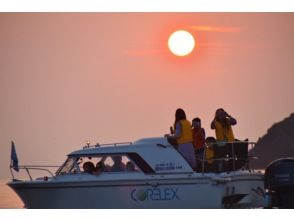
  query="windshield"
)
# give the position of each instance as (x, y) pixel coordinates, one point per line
(68, 167)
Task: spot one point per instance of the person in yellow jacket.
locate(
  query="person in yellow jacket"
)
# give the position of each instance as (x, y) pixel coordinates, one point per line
(184, 137)
(222, 123)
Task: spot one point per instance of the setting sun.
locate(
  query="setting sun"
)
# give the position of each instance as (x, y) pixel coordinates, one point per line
(181, 43)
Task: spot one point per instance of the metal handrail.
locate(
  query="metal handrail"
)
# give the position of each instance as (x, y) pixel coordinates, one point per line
(27, 168)
(108, 144)
(233, 157)
(229, 158)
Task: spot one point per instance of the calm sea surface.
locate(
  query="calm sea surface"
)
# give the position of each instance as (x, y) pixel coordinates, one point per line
(8, 198)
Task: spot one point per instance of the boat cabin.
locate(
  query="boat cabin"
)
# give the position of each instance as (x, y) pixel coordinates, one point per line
(152, 156)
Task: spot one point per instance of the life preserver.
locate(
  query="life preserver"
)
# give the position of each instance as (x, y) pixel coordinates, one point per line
(209, 154)
(186, 132)
(223, 133)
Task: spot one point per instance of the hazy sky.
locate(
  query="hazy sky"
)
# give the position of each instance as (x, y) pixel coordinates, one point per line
(109, 77)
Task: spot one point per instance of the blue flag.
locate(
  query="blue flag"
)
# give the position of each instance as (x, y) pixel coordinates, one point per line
(14, 160)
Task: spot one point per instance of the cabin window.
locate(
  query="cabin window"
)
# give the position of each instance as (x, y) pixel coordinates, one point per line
(106, 163)
(118, 163)
(141, 163)
(88, 164)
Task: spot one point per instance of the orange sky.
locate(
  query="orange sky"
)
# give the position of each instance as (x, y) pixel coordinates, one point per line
(66, 78)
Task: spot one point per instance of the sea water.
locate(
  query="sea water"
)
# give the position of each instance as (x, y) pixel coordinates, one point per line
(8, 198)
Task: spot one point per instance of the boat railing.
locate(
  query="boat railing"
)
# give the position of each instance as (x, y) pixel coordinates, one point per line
(29, 168)
(227, 156)
(108, 144)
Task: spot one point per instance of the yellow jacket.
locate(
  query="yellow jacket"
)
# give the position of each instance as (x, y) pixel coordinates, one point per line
(223, 133)
(186, 132)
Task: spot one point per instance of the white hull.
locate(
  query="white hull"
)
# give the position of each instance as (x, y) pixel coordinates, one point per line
(191, 191)
(149, 173)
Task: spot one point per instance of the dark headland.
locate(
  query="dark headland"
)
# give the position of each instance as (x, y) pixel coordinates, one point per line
(278, 142)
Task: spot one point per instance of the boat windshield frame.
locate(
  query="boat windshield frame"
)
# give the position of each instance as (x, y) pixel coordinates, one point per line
(72, 165)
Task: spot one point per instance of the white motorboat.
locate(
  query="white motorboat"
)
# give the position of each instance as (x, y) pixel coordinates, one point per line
(148, 173)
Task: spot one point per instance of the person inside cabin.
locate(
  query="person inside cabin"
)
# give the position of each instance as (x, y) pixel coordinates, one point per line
(183, 135)
(130, 166)
(88, 167)
(222, 124)
(118, 165)
(198, 140)
(100, 167)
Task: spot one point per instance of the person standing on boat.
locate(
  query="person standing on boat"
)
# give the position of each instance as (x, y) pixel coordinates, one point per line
(184, 137)
(222, 123)
(198, 140)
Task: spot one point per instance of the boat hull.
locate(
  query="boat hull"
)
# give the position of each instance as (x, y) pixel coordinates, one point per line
(194, 192)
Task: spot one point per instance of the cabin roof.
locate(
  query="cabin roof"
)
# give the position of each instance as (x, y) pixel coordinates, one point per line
(157, 152)
(121, 147)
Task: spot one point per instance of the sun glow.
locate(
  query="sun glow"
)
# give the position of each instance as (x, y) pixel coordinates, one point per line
(181, 43)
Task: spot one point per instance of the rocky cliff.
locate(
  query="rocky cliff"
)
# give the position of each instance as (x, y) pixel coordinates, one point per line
(277, 143)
